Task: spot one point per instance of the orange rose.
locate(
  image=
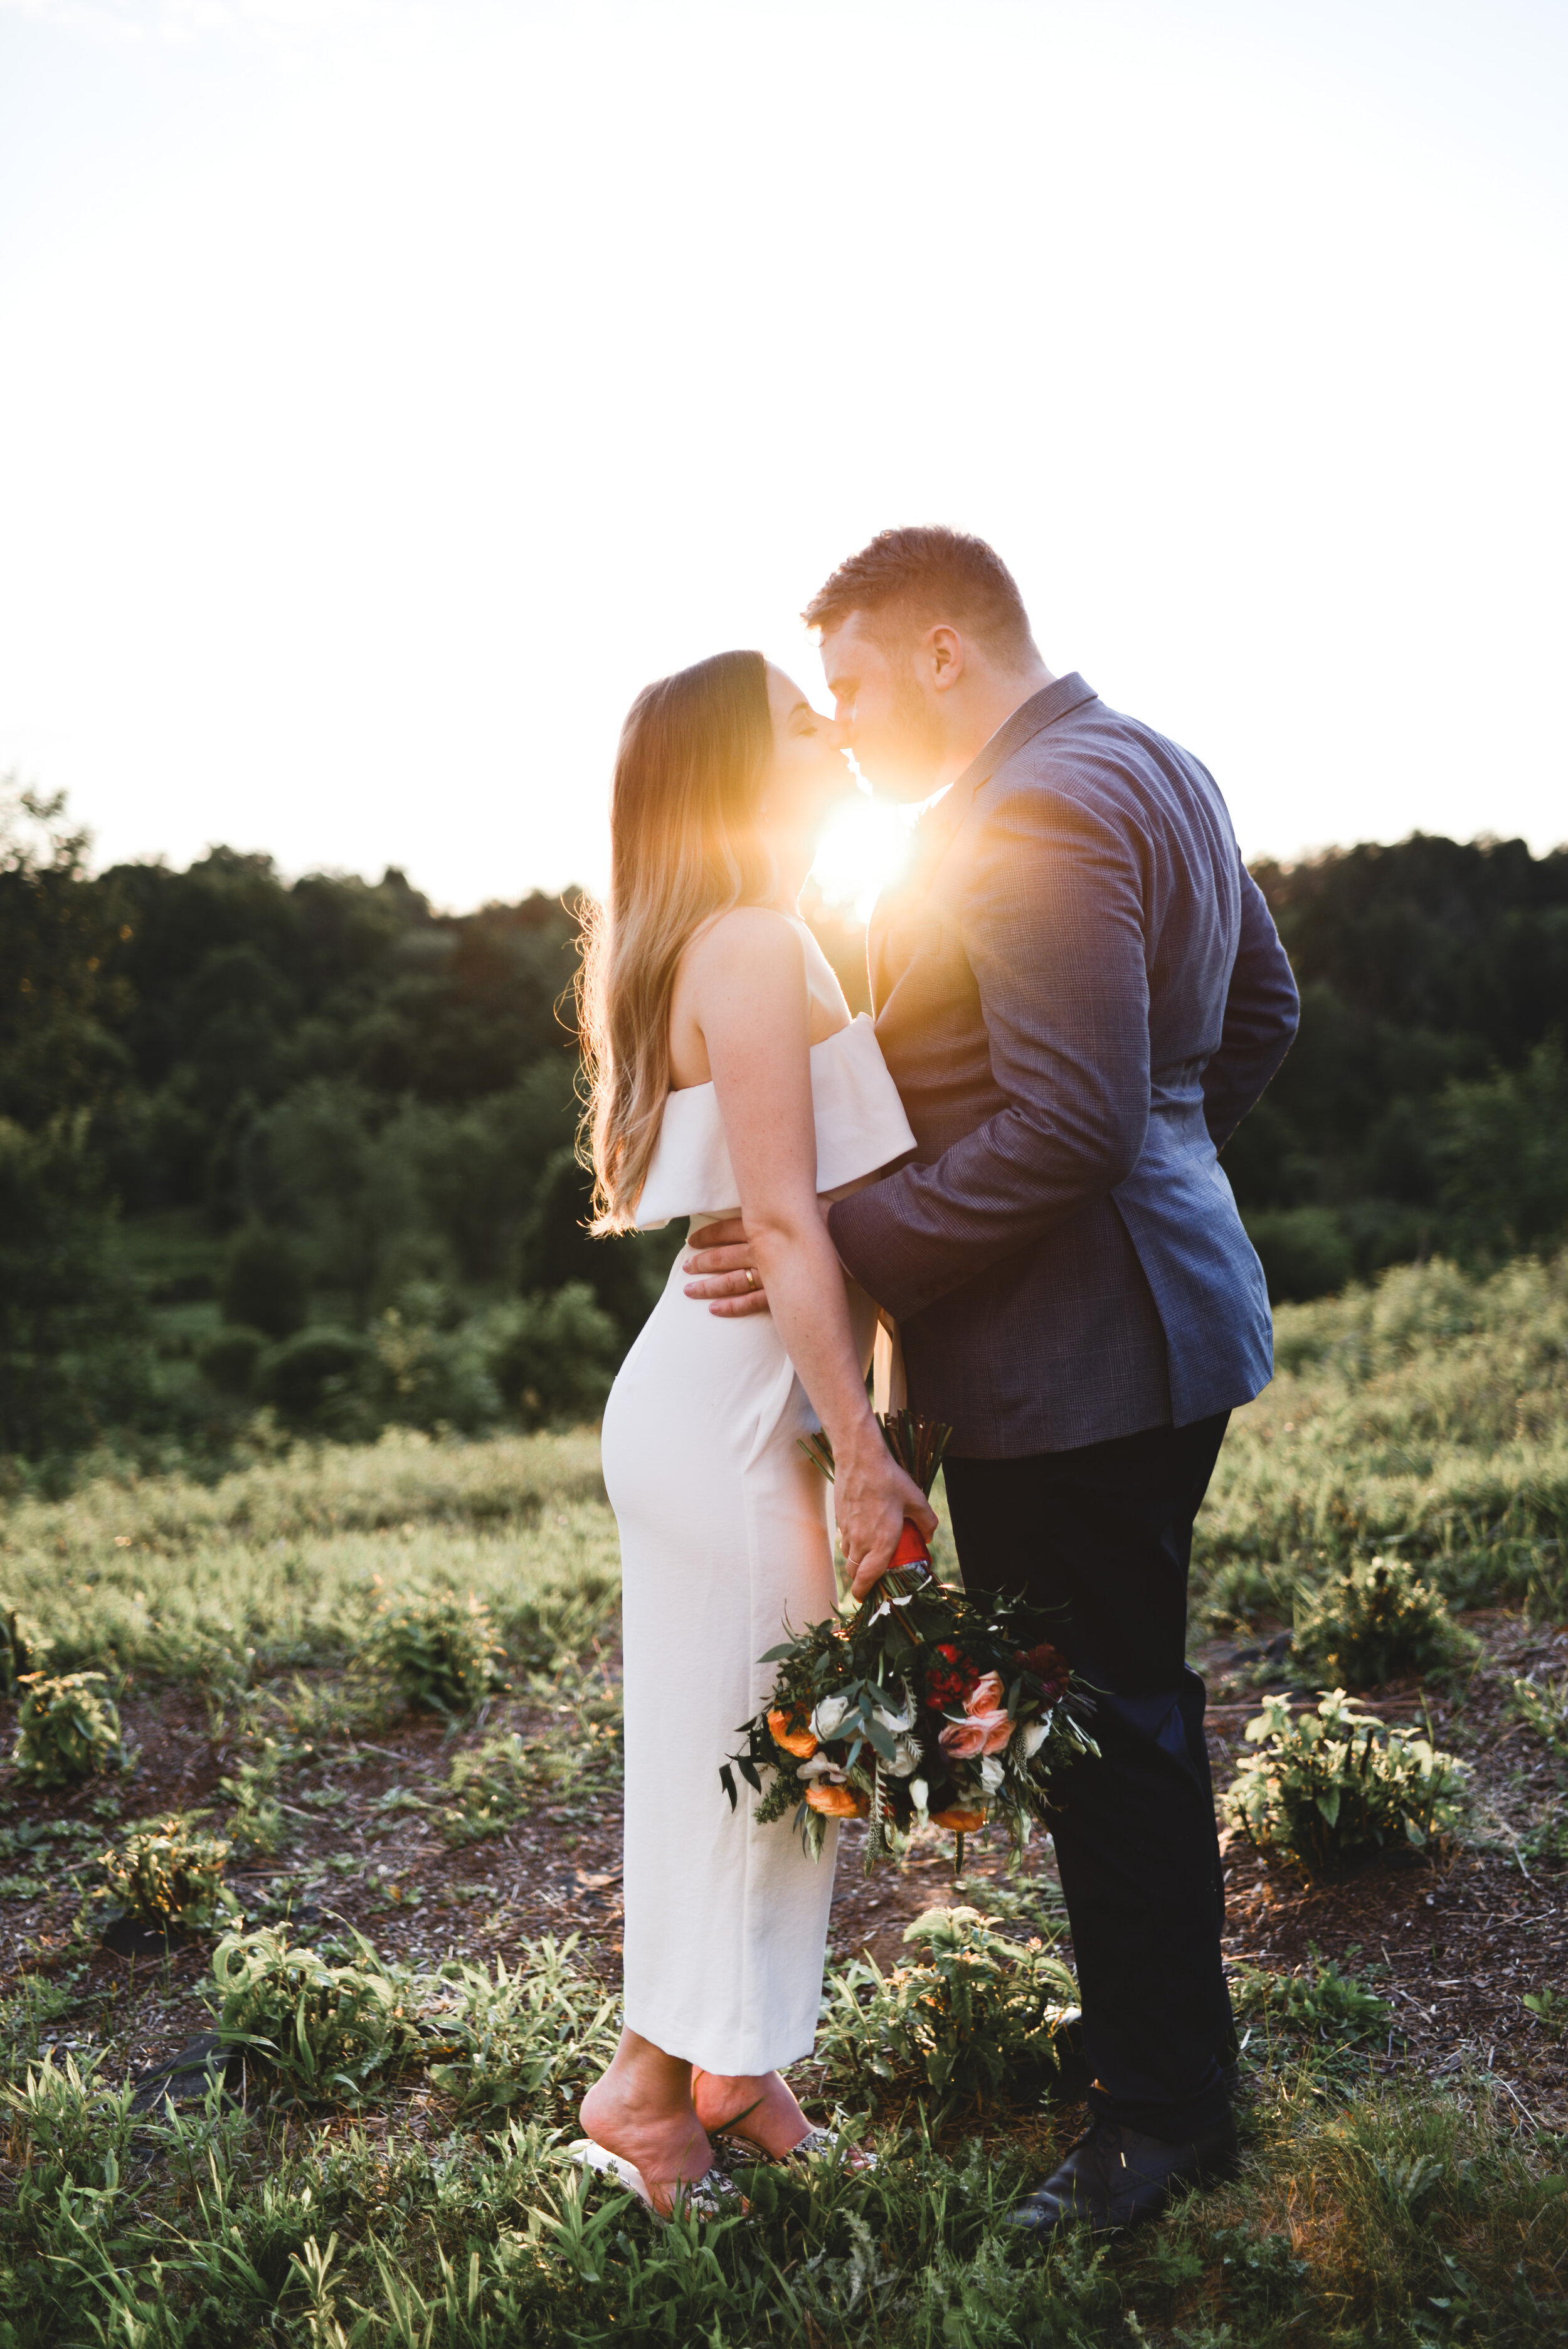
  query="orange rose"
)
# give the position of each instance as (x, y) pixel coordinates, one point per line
(961, 1821)
(792, 1734)
(837, 1802)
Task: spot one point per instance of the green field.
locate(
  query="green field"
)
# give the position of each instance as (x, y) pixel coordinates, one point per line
(419, 2196)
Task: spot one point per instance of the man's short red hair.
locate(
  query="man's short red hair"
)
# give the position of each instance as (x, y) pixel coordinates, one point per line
(914, 578)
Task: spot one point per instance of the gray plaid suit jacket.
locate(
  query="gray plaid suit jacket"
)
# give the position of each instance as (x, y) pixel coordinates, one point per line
(1080, 992)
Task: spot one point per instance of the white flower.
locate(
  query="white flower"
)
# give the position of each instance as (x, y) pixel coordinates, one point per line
(991, 1772)
(829, 1718)
(822, 1767)
(919, 1794)
(902, 1720)
(906, 1757)
(1031, 1737)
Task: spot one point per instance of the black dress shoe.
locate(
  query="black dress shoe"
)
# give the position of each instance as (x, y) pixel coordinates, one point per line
(1114, 2176)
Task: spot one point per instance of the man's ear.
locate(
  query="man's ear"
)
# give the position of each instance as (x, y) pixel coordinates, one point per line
(944, 650)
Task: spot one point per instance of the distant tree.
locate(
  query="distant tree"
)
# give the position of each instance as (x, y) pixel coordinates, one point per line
(1503, 1146)
(73, 1358)
(58, 931)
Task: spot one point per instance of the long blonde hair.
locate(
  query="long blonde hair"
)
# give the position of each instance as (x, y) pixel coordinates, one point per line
(684, 846)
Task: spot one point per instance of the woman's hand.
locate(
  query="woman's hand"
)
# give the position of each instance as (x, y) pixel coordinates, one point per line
(871, 1498)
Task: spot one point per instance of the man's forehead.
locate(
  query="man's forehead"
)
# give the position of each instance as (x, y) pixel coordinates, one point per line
(848, 644)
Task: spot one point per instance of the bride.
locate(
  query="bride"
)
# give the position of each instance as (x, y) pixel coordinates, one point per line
(726, 1073)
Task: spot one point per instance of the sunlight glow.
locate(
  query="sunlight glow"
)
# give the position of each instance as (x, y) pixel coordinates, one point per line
(863, 850)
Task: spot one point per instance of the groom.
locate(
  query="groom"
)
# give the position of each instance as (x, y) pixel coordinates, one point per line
(1080, 994)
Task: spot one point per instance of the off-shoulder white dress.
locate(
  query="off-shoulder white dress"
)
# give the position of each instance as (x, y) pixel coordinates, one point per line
(724, 1537)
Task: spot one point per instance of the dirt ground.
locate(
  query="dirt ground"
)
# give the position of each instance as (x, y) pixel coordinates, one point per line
(1459, 1938)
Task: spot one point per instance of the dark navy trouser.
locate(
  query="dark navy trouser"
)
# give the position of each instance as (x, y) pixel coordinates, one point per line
(1103, 1536)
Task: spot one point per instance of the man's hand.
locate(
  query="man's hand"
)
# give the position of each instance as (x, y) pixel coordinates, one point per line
(726, 1271)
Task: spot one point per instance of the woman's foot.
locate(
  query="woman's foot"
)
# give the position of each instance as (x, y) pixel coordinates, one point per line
(755, 2106)
(642, 2109)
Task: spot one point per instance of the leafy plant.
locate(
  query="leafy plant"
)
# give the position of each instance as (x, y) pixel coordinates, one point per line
(441, 1650)
(23, 1648)
(66, 1730)
(976, 2011)
(257, 1825)
(1263, 2277)
(36, 2000)
(169, 1873)
(1319, 2001)
(65, 2129)
(1542, 1706)
(326, 2030)
(494, 1781)
(1379, 1619)
(1335, 1782)
(1549, 2007)
(530, 2041)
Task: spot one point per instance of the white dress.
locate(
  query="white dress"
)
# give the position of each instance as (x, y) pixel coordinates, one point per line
(724, 1537)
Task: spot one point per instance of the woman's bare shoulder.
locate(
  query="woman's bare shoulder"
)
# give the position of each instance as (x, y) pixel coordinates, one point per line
(756, 940)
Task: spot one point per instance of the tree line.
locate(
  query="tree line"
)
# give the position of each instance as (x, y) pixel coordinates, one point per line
(306, 1149)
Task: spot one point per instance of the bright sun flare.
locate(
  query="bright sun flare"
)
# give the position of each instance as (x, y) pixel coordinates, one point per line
(864, 848)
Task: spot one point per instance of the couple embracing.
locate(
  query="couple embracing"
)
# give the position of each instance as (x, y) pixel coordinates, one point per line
(1079, 993)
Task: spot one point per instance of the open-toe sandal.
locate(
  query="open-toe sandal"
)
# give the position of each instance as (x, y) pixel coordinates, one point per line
(712, 2195)
(817, 2145)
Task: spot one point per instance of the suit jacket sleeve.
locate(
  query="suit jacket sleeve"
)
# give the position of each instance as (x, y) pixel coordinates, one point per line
(1052, 924)
(1262, 1010)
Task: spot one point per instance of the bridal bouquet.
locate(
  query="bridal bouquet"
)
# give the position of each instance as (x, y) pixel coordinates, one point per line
(916, 1703)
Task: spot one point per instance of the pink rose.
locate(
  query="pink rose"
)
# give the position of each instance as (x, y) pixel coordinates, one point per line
(981, 1733)
(985, 1696)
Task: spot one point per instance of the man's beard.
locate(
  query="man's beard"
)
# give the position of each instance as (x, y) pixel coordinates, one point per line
(914, 742)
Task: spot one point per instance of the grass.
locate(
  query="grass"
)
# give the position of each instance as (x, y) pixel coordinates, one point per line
(392, 2175)
(277, 1564)
(1425, 1417)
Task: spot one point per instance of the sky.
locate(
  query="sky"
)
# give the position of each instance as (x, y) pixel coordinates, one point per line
(389, 390)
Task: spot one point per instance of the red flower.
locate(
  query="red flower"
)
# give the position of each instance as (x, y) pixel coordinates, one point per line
(947, 1684)
(1048, 1664)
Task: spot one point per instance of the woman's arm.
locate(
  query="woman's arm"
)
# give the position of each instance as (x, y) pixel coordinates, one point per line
(747, 982)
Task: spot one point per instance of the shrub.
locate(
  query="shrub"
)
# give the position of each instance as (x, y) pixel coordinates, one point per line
(530, 2042)
(1333, 1783)
(1379, 1619)
(1304, 1252)
(325, 2029)
(228, 1360)
(66, 1730)
(430, 1374)
(167, 1872)
(553, 1358)
(265, 1284)
(310, 1371)
(440, 1650)
(979, 2011)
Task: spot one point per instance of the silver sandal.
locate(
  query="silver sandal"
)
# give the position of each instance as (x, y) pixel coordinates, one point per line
(712, 2195)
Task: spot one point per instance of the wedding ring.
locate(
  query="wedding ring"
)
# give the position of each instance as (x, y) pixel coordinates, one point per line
(750, 1278)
